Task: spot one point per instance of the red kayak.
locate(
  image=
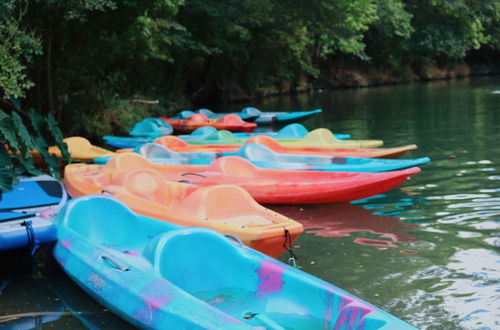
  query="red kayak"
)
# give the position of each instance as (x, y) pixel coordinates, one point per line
(178, 145)
(271, 186)
(230, 122)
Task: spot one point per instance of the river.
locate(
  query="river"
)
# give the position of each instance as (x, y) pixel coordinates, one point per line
(427, 251)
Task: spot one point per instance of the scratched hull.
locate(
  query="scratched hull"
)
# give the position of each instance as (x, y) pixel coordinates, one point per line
(177, 278)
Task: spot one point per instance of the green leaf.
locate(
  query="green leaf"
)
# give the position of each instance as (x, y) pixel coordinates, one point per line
(28, 165)
(7, 179)
(8, 131)
(40, 126)
(51, 161)
(57, 134)
(25, 139)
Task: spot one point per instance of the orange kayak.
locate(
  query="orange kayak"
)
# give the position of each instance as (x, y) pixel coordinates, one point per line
(178, 145)
(228, 209)
(266, 186)
(229, 122)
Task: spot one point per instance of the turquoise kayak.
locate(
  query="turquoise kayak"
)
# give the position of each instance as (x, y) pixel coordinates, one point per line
(261, 156)
(290, 131)
(256, 115)
(157, 275)
(147, 130)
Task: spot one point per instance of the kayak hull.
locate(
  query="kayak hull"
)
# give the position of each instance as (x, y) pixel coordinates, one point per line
(176, 144)
(228, 122)
(265, 185)
(156, 275)
(228, 209)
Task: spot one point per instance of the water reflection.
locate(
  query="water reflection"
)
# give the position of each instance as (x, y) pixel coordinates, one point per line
(342, 220)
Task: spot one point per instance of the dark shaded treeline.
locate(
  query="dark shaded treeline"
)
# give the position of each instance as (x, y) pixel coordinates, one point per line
(86, 60)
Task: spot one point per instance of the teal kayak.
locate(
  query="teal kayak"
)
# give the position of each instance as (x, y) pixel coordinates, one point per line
(157, 275)
(147, 130)
(261, 156)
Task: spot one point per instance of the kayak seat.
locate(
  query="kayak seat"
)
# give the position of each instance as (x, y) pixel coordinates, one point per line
(230, 119)
(128, 161)
(171, 142)
(234, 166)
(198, 259)
(251, 111)
(258, 152)
(320, 135)
(294, 130)
(238, 205)
(204, 131)
(198, 118)
(226, 136)
(206, 112)
(265, 140)
(158, 151)
(184, 114)
(151, 185)
(104, 221)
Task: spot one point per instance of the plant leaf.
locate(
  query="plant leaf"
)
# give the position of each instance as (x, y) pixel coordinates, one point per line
(25, 139)
(57, 134)
(7, 130)
(7, 179)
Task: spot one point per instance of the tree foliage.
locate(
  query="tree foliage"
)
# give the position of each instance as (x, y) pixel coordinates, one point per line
(73, 58)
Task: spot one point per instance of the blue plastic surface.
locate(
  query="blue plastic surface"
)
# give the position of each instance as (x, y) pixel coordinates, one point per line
(262, 156)
(158, 275)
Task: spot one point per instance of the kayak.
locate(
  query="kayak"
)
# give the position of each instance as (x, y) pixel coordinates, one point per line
(227, 122)
(267, 186)
(185, 114)
(25, 212)
(151, 127)
(290, 131)
(158, 275)
(266, 117)
(320, 137)
(255, 115)
(142, 132)
(263, 157)
(127, 141)
(228, 209)
(80, 149)
(176, 144)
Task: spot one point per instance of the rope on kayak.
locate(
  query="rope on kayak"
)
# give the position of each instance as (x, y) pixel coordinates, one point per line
(104, 191)
(185, 181)
(192, 173)
(33, 243)
(287, 244)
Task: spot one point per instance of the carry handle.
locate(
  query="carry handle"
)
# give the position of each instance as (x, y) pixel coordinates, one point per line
(234, 238)
(115, 263)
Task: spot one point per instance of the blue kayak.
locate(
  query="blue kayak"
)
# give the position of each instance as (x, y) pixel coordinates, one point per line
(147, 130)
(256, 115)
(158, 275)
(25, 212)
(261, 156)
(151, 127)
(122, 142)
(290, 131)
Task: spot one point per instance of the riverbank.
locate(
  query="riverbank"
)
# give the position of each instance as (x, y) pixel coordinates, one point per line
(352, 74)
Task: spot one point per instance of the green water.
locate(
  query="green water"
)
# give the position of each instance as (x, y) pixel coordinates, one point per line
(426, 252)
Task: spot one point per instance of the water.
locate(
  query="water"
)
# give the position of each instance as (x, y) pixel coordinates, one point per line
(426, 252)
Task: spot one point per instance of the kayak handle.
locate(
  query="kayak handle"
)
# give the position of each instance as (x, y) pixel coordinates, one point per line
(114, 263)
(191, 173)
(234, 238)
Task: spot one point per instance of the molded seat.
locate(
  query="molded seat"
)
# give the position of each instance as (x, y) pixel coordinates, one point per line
(171, 142)
(294, 130)
(177, 254)
(198, 118)
(239, 206)
(230, 119)
(234, 166)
